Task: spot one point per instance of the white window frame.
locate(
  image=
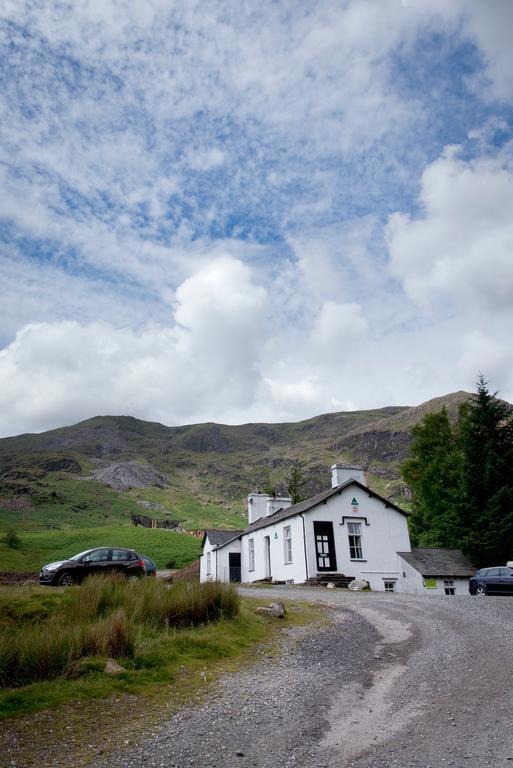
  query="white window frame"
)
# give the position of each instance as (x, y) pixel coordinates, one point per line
(287, 544)
(354, 535)
(209, 563)
(449, 587)
(251, 554)
(389, 584)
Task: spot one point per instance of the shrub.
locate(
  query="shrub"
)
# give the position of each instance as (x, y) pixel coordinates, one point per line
(12, 540)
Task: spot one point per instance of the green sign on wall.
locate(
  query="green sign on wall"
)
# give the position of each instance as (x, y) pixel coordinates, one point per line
(430, 583)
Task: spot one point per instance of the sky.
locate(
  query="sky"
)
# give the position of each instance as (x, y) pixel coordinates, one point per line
(252, 211)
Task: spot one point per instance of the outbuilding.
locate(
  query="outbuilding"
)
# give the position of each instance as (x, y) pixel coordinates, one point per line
(435, 570)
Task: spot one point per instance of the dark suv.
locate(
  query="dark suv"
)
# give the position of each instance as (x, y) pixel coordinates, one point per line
(103, 560)
(492, 581)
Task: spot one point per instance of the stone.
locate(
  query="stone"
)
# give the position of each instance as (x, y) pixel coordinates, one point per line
(357, 585)
(113, 668)
(273, 609)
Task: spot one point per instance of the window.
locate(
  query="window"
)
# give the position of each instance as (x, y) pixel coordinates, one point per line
(209, 563)
(98, 556)
(251, 552)
(449, 587)
(287, 543)
(120, 554)
(355, 541)
(389, 585)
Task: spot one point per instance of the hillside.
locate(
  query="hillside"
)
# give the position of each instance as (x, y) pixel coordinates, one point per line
(108, 468)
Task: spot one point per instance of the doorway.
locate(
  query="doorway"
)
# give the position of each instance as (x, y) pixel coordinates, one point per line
(234, 566)
(325, 546)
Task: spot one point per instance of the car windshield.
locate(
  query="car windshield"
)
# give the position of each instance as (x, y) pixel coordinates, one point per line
(80, 555)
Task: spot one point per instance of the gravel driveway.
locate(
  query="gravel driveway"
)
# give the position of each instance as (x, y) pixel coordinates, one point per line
(395, 680)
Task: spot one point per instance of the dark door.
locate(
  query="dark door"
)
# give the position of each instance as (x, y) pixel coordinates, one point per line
(492, 581)
(95, 562)
(505, 581)
(234, 565)
(325, 546)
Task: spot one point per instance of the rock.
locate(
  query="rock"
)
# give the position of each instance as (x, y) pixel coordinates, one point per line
(356, 585)
(273, 609)
(113, 668)
(330, 585)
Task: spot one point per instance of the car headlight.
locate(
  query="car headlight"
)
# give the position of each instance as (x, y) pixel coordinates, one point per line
(52, 567)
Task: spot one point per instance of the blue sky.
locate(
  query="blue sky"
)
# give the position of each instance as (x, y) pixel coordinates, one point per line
(256, 211)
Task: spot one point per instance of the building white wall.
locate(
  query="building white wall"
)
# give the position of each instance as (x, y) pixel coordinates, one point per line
(223, 557)
(414, 582)
(219, 559)
(385, 535)
(208, 548)
(280, 571)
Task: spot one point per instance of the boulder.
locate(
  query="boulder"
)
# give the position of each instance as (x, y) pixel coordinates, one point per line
(273, 609)
(113, 668)
(357, 585)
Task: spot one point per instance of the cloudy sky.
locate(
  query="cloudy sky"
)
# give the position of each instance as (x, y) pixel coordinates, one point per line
(240, 211)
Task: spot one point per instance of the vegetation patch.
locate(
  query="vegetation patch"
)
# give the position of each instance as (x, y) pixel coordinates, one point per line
(39, 547)
(84, 712)
(106, 618)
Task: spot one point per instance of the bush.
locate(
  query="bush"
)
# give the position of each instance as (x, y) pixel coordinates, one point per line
(12, 540)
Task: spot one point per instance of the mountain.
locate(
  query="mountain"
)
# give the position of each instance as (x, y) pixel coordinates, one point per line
(109, 466)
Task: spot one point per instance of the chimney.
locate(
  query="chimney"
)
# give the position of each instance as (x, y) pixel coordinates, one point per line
(257, 506)
(274, 503)
(341, 474)
(263, 505)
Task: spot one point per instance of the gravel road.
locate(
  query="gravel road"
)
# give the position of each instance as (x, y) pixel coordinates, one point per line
(394, 681)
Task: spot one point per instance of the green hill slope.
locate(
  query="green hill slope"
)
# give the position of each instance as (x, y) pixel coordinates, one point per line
(102, 471)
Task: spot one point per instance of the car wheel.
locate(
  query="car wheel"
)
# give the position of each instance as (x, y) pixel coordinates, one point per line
(132, 577)
(66, 580)
(480, 590)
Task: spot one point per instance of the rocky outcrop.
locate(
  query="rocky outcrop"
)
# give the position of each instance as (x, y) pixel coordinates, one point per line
(123, 475)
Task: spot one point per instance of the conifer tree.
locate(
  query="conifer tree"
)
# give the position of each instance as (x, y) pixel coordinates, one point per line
(487, 487)
(296, 482)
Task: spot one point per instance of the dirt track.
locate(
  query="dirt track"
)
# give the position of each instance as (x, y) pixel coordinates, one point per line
(396, 680)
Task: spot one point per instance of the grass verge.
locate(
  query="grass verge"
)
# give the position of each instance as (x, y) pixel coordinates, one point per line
(80, 715)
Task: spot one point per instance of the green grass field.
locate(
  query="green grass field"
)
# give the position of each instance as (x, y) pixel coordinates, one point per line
(40, 547)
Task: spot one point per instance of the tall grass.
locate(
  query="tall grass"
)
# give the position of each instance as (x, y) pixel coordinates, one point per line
(105, 617)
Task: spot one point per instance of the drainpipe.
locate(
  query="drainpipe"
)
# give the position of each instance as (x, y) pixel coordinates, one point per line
(304, 545)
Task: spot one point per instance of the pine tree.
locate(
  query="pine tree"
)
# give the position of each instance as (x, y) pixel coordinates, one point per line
(487, 492)
(296, 482)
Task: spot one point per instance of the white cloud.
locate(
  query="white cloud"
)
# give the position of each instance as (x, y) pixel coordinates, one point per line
(65, 370)
(459, 249)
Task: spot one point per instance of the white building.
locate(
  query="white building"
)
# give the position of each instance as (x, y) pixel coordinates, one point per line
(347, 530)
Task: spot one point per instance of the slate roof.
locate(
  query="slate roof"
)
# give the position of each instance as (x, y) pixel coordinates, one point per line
(219, 537)
(305, 506)
(439, 561)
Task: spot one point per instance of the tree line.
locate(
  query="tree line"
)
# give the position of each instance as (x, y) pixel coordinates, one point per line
(461, 479)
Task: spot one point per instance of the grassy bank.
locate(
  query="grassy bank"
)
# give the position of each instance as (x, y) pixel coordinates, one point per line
(85, 712)
(41, 547)
(71, 637)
